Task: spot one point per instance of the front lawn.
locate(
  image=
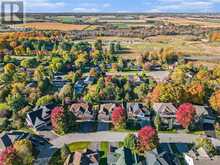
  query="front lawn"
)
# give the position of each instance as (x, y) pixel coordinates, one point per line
(78, 146)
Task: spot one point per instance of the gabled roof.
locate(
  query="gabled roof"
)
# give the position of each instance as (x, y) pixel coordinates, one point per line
(39, 117)
(109, 107)
(165, 109)
(79, 106)
(136, 106)
(201, 110)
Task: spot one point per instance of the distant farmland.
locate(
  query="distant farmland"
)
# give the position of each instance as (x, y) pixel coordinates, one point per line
(53, 26)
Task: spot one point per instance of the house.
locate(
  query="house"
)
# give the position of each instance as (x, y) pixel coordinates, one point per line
(137, 110)
(204, 115)
(39, 118)
(87, 157)
(124, 156)
(167, 113)
(59, 81)
(200, 156)
(8, 138)
(89, 80)
(105, 111)
(83, 111)
(79, 87)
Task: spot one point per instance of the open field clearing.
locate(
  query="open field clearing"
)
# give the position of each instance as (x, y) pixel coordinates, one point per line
(53, 26)
(188, 21)
(180, 44)
(183, 44)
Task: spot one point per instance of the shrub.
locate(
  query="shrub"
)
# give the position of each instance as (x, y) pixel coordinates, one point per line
(118, 117)
(147, 139)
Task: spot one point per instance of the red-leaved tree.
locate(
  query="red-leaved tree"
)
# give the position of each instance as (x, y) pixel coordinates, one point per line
(56, 117)
(118, 117)
(185, 114)
(147, 139)
(8, 155)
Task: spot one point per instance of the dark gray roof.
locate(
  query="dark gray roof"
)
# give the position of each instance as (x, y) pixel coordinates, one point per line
(39, 117)
(8, 138)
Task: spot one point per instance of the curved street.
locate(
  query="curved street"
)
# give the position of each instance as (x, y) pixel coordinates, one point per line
(47, 151)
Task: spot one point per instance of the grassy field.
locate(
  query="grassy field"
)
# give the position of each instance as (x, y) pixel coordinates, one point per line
(53, 26)
(211, 23)
(184, 44)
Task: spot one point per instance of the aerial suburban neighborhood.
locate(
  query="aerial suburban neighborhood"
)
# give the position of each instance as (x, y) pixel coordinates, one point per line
(112, 88)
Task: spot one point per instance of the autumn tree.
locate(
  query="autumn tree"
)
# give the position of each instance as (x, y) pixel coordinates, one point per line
(169, 92)
(24, 150)
(185, 114)
(207, 145)
(118, 117)
(63, 121)
(8, 156)
(147, 139)
(215, 101)
(197, 93)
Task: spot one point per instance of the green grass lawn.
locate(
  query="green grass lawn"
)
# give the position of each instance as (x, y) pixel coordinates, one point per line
(168, 131)
(79, 146)
(197, 132)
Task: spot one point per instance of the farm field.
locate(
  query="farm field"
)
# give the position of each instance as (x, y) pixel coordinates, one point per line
(53, 26)
(211, 23)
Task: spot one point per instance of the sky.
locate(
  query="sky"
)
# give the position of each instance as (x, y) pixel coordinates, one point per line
(96, 6)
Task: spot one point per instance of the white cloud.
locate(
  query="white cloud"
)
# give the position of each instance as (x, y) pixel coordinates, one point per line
(43, 5)
(184, 6)
(85, 10)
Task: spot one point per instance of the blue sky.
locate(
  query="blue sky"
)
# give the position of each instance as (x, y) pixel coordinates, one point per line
(122, 5)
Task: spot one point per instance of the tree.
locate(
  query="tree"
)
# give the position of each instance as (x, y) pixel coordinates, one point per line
(65, 152)
(8, 157)
(16, 102)
(24, 150)
(178, 75)
(197, 93)
(169, 92)
(9, 68)
(185, 114)
(147, 139)
(215, 101)
(130, 142)
(44, 100)
(98, 45)
(112, 48)
(207, 145)
(62, 120)
(66, 91)
(157, 122)
(118, 117)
